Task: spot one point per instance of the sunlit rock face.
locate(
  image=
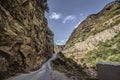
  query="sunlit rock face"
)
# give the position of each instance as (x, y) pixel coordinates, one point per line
(25, 40)
(103, 27)
(58, 48)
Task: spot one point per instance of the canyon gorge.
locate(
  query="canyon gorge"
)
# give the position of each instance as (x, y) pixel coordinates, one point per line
(26, 41)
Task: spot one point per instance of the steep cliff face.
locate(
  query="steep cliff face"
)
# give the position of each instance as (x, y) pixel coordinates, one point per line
(58, 48)
(25, 40)
(97, 29)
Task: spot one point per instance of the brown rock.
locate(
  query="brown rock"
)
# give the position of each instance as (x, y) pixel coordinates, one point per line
(25, 40)
(96, 28)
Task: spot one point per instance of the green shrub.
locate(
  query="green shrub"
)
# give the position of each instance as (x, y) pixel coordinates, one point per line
(105, 52)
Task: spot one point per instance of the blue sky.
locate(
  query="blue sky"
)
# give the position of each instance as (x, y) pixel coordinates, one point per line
(65, 15)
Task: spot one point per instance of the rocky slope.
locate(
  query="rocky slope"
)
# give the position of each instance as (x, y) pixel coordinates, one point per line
(25, 40)
(96, 31)
(58, 48)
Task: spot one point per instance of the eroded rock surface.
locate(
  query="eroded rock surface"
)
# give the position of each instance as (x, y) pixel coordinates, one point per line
(25, 40)
(103, 27)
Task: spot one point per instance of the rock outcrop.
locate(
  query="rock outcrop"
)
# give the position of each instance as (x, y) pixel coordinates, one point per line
(58, 48)
(96, 28)
(25, 40)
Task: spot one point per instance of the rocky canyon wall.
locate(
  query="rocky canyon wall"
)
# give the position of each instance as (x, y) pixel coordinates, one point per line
(26, 42)
(103, 27)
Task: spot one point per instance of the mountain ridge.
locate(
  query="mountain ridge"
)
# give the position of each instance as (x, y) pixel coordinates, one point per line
(92, 36)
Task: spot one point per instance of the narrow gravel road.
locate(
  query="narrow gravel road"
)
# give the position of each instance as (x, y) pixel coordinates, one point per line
(43, 73)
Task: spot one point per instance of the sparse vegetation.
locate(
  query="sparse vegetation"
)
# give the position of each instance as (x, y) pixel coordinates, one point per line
(105, 19)
(69, 67)
(108, 51)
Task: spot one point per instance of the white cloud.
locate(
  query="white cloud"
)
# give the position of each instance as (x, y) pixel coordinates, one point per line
(60, 42)
(81, 14)
(55, 16)
(69, 18)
